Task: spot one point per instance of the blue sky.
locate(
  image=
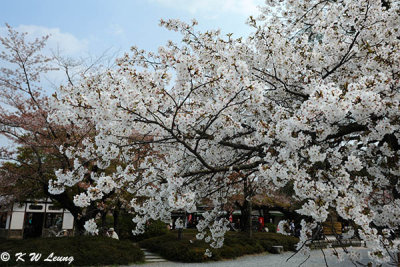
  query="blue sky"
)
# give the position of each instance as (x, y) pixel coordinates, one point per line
(92, 26)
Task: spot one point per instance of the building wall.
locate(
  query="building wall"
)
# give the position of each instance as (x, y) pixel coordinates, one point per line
(15, 221)
(68, 221)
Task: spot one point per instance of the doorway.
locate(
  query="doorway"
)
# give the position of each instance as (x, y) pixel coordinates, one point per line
(33, 225)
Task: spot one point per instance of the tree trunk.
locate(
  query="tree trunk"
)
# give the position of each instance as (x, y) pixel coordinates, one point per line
(250, 209)
(79, 227)
(67, 203)
(103, 219)
(246, 211)
(116, 217)
(90, 213)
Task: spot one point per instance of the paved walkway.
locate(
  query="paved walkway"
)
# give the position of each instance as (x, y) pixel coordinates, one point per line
(271, 260)
(150, 257)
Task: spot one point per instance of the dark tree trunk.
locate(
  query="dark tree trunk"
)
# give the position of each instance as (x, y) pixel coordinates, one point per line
(247, 224)
(246, 210)
(103, 220)
(67, 203)
(116, 217)
(91, 213)
(79, 227)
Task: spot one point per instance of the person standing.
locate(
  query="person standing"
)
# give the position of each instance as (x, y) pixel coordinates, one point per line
(292, 228)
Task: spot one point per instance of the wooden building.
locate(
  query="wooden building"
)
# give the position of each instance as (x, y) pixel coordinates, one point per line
(40, 218)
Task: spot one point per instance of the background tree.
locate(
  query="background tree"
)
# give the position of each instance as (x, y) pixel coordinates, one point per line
(31, 161)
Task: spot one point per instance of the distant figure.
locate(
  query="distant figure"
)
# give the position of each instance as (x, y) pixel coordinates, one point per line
(111, 233)
(292, 228)
(238, 223)
(260, 224)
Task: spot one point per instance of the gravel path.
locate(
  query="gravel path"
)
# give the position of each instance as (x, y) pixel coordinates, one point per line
(271, 260)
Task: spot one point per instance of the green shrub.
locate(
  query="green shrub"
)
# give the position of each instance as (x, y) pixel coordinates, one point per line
(236, 244)
(153, 229)
(273, 239)
(271, 227)
(267, 244)
(125, 226)
(156, 228)
(229, 252)
(86, 250)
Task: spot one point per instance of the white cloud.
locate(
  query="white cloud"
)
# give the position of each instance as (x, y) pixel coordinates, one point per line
(115, 29)
(67, 43)
(240, 7)
(64, 43)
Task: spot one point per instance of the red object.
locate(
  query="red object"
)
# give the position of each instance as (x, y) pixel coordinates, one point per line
(261, 221)
(189, 217)
(231, 218)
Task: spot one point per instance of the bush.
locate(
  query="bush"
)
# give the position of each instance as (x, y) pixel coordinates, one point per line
(267, 244)
(156, 228)
(236, 244)
(153, 229)
(271, 227)
(273, 239)
(229, 252)
(125, 226)
(86, 250)
(169, 247)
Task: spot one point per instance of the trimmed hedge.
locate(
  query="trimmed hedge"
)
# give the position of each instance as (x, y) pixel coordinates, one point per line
(126, 225)
(271, 227)
(153, 229)
(189, 249)
(86, 250)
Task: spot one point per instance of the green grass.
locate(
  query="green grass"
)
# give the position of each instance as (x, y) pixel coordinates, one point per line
(189, 249)
(86, 251)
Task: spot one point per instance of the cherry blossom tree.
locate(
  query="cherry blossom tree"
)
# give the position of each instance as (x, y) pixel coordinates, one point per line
(309, 98)
(23, 114)
(176, 118)
(337, 128)
(29, 164)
